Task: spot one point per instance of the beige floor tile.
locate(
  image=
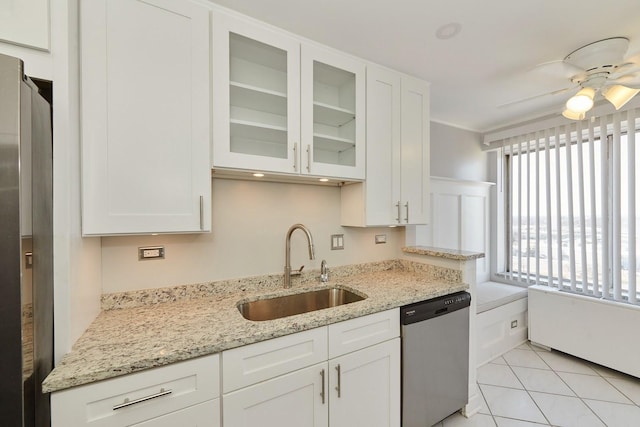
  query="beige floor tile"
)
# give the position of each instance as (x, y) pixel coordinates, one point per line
(508, 422)
(500, 375)
(561, 362)
(566, 411)
(590, 387)
(629, 386)
(511, 403)
(478, 420)
(542, 381)
(499, 361)
(524, 358)
(616, 414)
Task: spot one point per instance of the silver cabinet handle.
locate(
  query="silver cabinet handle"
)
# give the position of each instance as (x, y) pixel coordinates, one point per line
(406, 206)
(338, 386)
(201, 212)
(295, 157)
(128, 402)
(308, 158)
(398, 217)
(322, 392)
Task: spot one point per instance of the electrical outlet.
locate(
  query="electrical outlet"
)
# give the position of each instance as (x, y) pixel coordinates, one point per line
(337, 242)
(381, 238)
(150, 252)
(514, 324)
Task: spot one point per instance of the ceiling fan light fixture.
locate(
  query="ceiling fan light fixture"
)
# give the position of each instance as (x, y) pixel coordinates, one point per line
(582, 101)
(573, 115)
(619, 95)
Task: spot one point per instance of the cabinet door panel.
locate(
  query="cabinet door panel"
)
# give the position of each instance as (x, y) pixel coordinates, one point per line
(332, 109)
(415, 152)
(145, 116)
(383, 147)
(256, 97)
(369, 382)
(292, 400)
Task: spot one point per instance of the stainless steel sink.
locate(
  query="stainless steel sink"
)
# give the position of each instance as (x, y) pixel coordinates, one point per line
(288, 305)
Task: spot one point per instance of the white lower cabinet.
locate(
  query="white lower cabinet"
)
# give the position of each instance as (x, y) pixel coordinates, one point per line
(297, 399)
(184, 394)
(359, 386)
(365, 387)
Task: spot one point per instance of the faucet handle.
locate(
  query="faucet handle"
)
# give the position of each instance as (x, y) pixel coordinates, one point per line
(297, 272)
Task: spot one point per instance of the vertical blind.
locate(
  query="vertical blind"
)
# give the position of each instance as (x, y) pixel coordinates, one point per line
(571, 206)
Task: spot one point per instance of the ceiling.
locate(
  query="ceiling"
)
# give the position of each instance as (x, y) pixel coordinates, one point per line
(490, 62)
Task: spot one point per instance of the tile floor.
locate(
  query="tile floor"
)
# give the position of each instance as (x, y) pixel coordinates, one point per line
(530, 386)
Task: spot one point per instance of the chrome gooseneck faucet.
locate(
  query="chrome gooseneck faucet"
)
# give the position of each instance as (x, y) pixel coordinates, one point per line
(287, 253)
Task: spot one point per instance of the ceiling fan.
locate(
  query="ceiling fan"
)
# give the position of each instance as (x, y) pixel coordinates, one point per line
(597, 68)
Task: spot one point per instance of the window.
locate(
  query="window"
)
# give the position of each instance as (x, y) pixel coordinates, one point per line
(571, 203)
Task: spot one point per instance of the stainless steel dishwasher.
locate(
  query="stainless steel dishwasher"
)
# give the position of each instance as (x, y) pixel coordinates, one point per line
(435, 359)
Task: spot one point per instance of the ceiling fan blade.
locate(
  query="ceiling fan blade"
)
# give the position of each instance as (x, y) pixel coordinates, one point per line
(557, 68)
(630, 80)
(633, 59)
(531, 98)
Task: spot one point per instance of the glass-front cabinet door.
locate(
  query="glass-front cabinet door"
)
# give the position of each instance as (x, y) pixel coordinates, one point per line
(333, 114)
(256, 97)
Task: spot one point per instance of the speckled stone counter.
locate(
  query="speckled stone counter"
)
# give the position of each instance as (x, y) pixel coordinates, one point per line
(145, 329)
(453, 254)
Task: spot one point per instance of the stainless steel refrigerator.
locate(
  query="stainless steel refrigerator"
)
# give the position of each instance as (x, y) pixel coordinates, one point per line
(26, 248)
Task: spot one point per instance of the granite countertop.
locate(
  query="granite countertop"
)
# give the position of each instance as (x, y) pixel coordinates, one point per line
(127, 340)
(454, 254)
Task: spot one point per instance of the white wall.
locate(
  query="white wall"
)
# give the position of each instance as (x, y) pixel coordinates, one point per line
(250, 221)
(457, 153)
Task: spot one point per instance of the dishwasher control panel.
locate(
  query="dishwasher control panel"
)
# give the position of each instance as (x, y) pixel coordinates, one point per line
(435, 307)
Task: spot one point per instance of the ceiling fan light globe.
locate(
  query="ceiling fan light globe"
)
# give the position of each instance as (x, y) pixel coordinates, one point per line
(582, 101)
(619, 95)
(573, 115)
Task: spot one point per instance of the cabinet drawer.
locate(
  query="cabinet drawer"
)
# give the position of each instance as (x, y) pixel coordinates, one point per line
(201, 415)
(361, 332)
(250, 364)
(138, 397)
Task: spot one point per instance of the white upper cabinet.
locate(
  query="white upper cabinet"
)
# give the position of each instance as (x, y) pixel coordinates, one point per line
(264, 92)
(145, 117)
(333, 112)
(396, 191)
(256, 92)
(414, 152)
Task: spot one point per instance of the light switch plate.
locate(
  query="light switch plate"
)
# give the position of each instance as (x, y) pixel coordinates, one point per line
(381, 238)
(337, 242)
